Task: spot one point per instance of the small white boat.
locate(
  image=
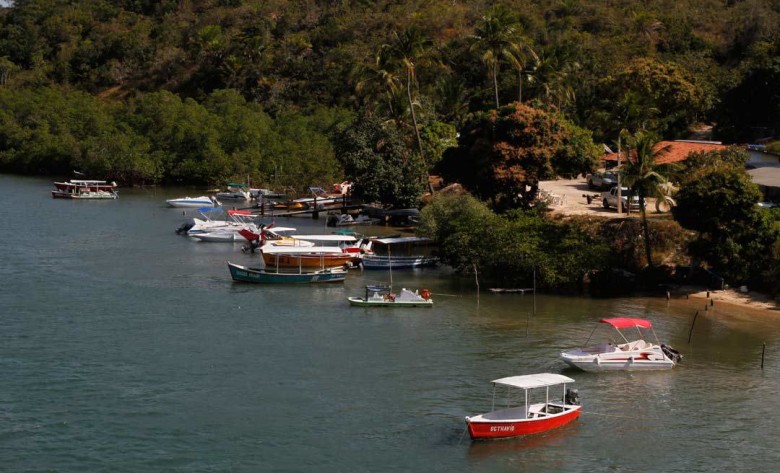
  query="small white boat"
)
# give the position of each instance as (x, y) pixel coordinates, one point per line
(84, 189)
(234, 192)
(346, 220)
(194, 202)
(382, 296)
(83, 193)
(221, 235)
(319, 198)
(627, 356)
(234, 220)
(529, 417)
(407, 252)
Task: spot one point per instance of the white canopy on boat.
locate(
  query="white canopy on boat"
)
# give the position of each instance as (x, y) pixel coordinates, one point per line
(301, 250)
(333, 237)
(530, 381)
(393, 241)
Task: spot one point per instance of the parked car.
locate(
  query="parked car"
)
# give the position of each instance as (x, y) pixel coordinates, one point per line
(601, 180)
(610, 198)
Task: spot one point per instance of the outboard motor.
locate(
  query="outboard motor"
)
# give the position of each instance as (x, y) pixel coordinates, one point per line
(184, 228)
(572, 397)
(671, 353)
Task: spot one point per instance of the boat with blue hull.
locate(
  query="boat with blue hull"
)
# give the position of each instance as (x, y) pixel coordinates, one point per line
(258, 275)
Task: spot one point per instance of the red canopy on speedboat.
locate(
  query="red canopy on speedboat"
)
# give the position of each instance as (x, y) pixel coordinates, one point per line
(246, 213)
(626, 322)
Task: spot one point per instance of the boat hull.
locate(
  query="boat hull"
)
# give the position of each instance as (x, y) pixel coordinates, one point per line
(398, 262)
(89, 195)
(599, 364)
(192, 202)
(307, 261)
(254, 275)
(361, 302)
(494, 429)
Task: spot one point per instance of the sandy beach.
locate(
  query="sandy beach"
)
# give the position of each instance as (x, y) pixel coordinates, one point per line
(733, 297)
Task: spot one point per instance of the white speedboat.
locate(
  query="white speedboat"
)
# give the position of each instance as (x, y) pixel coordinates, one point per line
(194, 202)
(627, 356)
(223, 235)
(234, 219)
(234, 192)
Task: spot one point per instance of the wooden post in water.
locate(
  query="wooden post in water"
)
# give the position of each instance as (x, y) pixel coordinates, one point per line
(690, 332)
(476, 279)
(315, 214)
(534, 266)
(763, 350)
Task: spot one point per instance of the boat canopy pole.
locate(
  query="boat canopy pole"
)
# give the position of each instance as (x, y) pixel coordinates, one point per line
(621, 335)
(526, 402)
(591, 332)
(657, 342)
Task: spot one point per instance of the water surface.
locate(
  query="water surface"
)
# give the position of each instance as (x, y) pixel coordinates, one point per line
(124, 347)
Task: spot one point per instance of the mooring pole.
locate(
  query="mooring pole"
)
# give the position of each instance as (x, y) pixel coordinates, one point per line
(476, 279)
(690, 332)
(763, 350)
(534, 266)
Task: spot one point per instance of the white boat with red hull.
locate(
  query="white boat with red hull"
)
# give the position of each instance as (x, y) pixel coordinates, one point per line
(529, 417)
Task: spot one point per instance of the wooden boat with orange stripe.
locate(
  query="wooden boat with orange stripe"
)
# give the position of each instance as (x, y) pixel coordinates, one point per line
(312, 257)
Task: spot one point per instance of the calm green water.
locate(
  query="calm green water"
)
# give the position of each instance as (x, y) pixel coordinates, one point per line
(124, 347)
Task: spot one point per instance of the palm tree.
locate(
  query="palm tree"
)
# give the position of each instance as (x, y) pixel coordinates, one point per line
(404, 52)
(520, 59)
(641, 174)
(496, 38)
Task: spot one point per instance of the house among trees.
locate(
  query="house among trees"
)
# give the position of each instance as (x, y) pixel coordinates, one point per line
(678, 151)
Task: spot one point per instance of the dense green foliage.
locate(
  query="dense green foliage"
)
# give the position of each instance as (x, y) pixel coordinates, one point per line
(658, 65)
(719, 202)
(504, 153)
(295, 93)
(382, 168)
(158, 136)
(508, 249)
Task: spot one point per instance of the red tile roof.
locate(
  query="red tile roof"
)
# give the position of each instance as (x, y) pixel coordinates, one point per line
(678, 151)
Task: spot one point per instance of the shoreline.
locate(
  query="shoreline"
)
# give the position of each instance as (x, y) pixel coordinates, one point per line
(734, 298)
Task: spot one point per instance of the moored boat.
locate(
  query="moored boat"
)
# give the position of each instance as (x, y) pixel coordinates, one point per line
(305, 257)
(399, 253)
(84, 189)
(529, 417)
(383, 296)
(234, 192)
(628, 356)
(91, 185)
(259, 275)
(77, 193)
(194, 202)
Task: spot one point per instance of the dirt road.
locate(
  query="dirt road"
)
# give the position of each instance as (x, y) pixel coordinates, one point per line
(570, 198)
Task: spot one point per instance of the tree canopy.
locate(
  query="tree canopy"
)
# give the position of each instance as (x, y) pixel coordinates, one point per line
(503, 154)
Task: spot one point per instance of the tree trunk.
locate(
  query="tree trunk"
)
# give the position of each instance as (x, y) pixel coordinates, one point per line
(411, 109)
(520, 85)
(645, 229)
(414, 124)
(495, 82)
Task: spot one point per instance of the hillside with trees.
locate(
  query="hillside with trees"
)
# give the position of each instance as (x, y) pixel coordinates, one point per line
(283, 67)
(495, 95)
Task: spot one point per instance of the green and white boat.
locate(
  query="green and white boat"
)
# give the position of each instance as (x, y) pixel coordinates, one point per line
(383, 296)
(271, 276)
